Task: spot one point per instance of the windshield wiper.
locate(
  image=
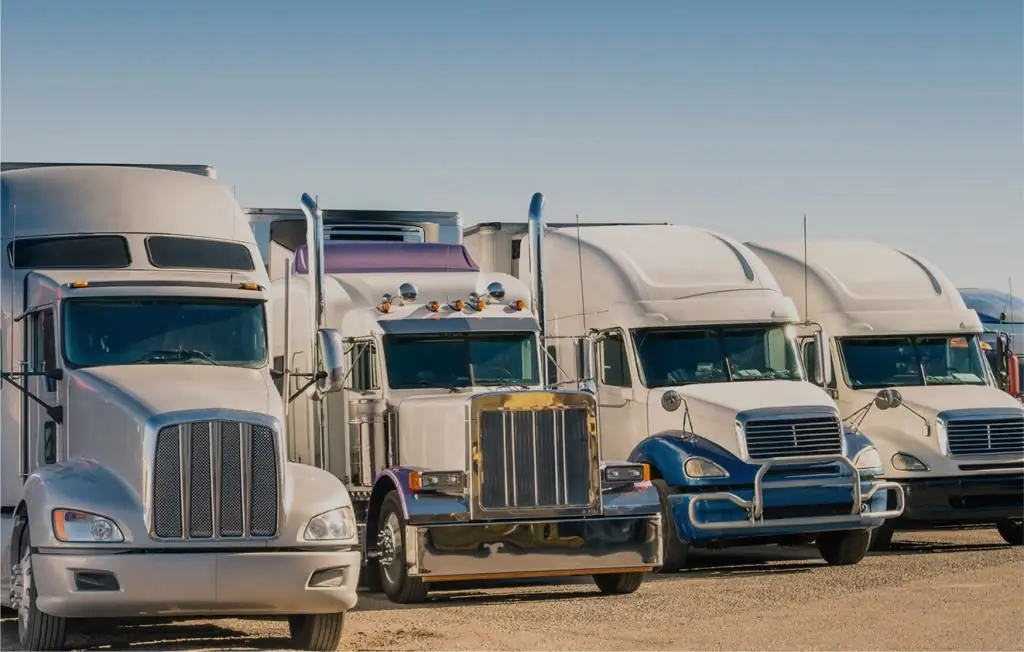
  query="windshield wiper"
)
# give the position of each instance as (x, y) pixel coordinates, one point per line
(164, 355)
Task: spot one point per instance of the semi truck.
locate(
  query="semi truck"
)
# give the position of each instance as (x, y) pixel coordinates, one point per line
(905, 362)
(145, 471)
(461, 463)
(1002, 317)
(689, 344)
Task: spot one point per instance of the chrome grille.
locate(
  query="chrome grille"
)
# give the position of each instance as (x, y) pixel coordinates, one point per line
(793, 437)
(215, 479)
(985, 435)
(535, 458)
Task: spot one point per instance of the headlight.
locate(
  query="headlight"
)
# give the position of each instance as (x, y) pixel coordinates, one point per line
(905, 462)
(334, 525)
(868, 459)
(73, 526)
(445, 482)
(622, 473)
(698, 468)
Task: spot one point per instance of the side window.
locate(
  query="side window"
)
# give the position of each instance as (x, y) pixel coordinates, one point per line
(582, 364)
(364, 366)
(45, 346)
(614, 363)
(810, 356)
(552, 365)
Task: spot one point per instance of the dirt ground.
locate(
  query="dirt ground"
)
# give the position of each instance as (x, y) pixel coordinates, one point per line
(942, 590)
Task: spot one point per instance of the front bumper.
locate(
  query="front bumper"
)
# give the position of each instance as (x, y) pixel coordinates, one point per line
(788, 507)
(522, 549)
(971, 500)
(195, 584)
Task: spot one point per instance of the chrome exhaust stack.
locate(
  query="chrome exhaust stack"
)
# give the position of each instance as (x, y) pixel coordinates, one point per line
(315, 256)
(536, 236)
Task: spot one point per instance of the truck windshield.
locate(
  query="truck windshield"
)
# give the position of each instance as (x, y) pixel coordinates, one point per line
(876, 362)
(461, 360)
(164, 330)
(716, 355)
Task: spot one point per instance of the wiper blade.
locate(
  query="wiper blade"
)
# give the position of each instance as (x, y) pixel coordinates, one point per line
(161, 355)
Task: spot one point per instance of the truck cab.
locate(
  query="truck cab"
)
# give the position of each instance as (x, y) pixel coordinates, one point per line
(691, 348)
(906, 366)
(462, 463)
(145, 469)
(1002, 317)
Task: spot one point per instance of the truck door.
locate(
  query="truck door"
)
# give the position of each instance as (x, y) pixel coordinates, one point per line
(41, 430)
(620, 418)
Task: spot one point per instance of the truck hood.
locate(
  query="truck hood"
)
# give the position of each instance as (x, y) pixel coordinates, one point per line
(713, 407)
(433, 431)
(106, 408)
(931, 400)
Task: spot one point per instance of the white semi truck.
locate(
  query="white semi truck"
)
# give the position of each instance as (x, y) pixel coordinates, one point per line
(905, 362)
(697, 375)
(144, 463)
(461, 464)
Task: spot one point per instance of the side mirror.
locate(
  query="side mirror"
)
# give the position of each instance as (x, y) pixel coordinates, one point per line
(887, 399)
(332, 351)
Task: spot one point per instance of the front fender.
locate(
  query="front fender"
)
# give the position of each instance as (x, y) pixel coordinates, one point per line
(668, 450)
(310, 491)
(84, 485)
(416, 508)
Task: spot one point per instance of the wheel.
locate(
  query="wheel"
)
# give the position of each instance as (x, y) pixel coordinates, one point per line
(394, 576)
(619, 583)
(844, 548)
(36, 630)
(881, 536)
(1012, 531)
(673, 551)
(317, 631)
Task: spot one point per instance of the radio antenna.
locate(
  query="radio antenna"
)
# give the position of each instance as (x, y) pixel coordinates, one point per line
(806, 306)
(583, 300)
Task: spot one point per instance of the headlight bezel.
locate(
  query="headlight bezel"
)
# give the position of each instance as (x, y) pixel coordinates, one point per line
(339, 523)
(73, 529)
(703, 463)
(868, 452)
(906, 462)
(450, 483)
(625, 474)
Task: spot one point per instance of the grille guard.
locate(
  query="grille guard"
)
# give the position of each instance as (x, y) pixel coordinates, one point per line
(755, 507)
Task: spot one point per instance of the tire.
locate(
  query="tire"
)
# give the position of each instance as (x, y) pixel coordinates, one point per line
(881, 536)
(36, 630)
(673, 551)
(844, 548)
(619, 583)
(394, 576)
(319, 632)
(1012, 531)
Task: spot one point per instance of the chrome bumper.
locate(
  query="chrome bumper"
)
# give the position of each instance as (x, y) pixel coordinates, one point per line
(465, 551)
(196, 584)
(755, 506)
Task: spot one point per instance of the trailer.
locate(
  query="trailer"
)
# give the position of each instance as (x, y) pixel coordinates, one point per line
(461, 462)
(905, 362)
(145, 471)
(690, 346)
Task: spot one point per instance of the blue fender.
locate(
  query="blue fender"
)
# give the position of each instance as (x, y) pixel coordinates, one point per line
(668, 450)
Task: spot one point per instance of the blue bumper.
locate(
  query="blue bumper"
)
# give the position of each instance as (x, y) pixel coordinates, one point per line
(783, 510)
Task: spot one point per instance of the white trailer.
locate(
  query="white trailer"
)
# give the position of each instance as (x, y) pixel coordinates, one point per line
(697, 375)
(905, 363)
(461, 464)
(144, 465)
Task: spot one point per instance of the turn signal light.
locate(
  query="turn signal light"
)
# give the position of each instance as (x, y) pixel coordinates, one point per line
(249, 286)
(78, 284)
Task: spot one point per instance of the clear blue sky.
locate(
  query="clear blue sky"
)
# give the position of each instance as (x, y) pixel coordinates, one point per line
(898, 120)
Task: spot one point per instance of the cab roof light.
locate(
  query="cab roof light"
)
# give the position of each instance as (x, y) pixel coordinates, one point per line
(250, 286)
(78, 284)
(434, 306)
(519, 304)
(477, 301)
(458, 305)
(385, 303)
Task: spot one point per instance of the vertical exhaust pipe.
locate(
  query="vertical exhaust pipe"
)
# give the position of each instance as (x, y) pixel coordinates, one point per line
(315, 265)
(536, 236)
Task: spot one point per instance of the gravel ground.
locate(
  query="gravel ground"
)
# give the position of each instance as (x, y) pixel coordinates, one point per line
(943, 590)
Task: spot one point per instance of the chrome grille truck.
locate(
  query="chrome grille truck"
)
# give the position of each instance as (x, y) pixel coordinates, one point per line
(145, 471)
(461, 462)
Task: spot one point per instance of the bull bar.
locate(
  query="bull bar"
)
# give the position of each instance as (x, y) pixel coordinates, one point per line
(755, 506)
